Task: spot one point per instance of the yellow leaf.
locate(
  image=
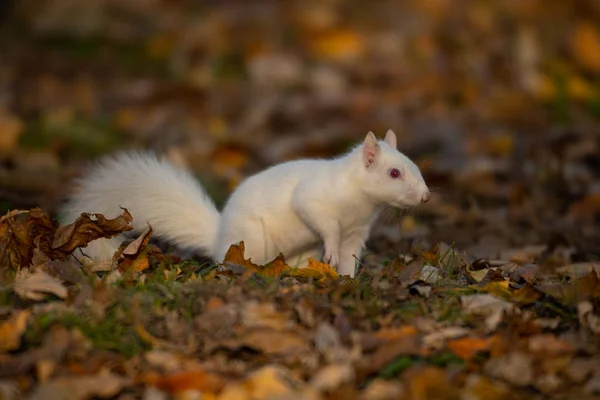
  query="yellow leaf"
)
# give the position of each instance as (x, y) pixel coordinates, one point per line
(324, 269)
(340, 45)
(585, 45)
(12, 329)
(305, 273)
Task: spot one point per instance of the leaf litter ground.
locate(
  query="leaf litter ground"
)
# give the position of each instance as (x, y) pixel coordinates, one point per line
(433, 326)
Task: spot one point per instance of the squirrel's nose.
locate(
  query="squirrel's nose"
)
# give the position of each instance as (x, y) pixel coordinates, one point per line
(425, 197)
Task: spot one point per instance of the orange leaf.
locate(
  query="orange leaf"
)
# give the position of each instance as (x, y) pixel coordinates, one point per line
(585, 45)
(235, 255)
(467, 348)
(275, 267)
(189, 380)
(12, 329)
(396, 333)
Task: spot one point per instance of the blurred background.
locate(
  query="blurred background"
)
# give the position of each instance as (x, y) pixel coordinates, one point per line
(497, 101)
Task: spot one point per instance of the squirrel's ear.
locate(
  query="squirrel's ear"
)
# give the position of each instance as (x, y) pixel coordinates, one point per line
(390, 138)
(370, 149)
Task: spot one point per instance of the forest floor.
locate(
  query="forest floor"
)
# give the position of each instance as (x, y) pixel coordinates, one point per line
(489, 291)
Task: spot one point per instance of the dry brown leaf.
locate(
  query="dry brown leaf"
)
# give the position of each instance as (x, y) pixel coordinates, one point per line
(21, 232)
(270, 382)
(86, 228)
(54, 347)
(482, 388)
(36, 285)
(265, 315)
(381, 389)
(515, 368)
(332, 376)
(549, 345)
(274, 342)
(12, 329)
(103, 385)
(491, 307)
(587, 287)
(139, 243)
(409, 343)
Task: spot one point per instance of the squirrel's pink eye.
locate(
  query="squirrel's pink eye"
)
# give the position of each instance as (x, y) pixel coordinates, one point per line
(395, 173)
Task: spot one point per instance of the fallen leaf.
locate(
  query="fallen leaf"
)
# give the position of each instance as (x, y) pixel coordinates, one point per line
(235, 255)
(275, 268)
(332, 376)
(12, 329)
(585, 45)
(409, 344)
(339, 45)
(491, 307)
(587, 317)
(36, 285)
(515, 368)
(467, 348)
(587, 287)
(200, 380)
(54, 347)
(272, 342)
(549, 345)
(265, 315)
(437, 339)
(141, 241)
(21, 232)
(381, 389)
(425, 383)
(271, 382)
(11, 128)
(103, 385)
(479, 387)
(324, 269)
(86, 228)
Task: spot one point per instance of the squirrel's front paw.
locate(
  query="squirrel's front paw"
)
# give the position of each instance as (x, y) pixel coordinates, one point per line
(331, 259)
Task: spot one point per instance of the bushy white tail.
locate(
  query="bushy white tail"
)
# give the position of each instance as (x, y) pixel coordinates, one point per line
(154, 191)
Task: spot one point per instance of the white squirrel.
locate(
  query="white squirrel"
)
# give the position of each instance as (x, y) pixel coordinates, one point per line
(305, 208)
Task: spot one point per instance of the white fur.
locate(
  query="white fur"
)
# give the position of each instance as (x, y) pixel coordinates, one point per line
(304, 208)
(170, 199)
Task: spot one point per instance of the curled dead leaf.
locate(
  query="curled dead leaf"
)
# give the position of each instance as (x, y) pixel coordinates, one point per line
(86, 228)
(36, 285)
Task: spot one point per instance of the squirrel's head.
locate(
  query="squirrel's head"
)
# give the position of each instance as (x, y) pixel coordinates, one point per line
(390, 176)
